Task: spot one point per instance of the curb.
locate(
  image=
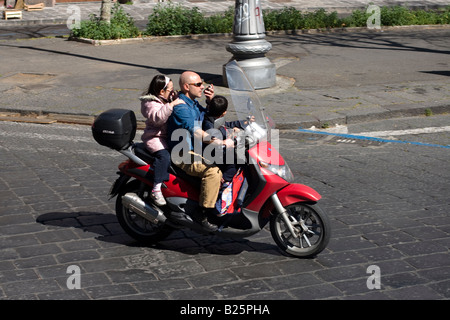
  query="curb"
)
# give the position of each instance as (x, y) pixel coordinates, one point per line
(84, 119)
(354, 119)
(148, 39)
(44, 117)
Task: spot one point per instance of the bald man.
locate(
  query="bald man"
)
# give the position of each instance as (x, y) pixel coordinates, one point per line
(186, 146)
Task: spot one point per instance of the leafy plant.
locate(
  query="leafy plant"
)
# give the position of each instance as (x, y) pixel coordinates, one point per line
(291, 18)
(220, 23)
(321, 19)
(173, 19)
(284, 19)
(356, 19)
(400, 16)
(121, 26)
(168, 20)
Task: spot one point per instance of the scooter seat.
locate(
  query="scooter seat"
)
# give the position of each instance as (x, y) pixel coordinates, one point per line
(141, 152)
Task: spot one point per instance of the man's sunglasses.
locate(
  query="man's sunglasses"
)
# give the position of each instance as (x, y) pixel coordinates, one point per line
(198, 84)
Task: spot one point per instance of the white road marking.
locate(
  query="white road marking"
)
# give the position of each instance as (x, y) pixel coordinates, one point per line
(387, 133)
(404, 132)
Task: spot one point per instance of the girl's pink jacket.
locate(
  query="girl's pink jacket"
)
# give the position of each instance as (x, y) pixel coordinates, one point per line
(157, 113)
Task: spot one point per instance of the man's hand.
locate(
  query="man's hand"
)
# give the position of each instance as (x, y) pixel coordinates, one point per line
(209, 92)
(229, 143)
(252, 119)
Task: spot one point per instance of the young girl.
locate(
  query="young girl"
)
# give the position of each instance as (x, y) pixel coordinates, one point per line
(156, 107)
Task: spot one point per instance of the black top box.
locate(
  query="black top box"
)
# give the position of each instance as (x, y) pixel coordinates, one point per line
(115, 128)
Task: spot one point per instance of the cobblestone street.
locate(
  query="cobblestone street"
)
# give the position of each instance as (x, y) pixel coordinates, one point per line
(388, 204)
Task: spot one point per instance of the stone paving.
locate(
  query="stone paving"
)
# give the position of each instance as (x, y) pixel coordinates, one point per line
(388, 205)
(322, 78)
(388, 202)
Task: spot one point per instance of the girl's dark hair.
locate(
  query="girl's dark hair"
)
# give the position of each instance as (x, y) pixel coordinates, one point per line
(217, 106)
(158, 83)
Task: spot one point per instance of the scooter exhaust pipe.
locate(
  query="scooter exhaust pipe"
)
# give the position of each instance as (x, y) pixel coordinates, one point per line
(132, 202)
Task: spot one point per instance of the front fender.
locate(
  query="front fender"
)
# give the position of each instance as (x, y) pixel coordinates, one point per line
(296, 192)
(290, 194)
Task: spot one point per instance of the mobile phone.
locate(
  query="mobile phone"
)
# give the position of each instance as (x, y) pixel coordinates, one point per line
(173, 96)
(208, 88)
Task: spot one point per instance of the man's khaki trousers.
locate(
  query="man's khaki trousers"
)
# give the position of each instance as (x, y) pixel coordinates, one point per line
(210, 175)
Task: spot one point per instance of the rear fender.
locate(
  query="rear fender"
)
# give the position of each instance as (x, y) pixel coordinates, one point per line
(118, 184)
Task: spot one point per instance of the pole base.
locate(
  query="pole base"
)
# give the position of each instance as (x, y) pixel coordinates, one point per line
(261, 72)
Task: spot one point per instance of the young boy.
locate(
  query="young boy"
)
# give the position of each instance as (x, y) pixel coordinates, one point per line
(217, 108)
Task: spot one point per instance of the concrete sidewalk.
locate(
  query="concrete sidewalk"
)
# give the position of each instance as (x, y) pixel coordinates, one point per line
(140, 10)
(323, 79)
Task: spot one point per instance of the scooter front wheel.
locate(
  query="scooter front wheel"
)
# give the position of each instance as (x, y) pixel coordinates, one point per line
(310, 225)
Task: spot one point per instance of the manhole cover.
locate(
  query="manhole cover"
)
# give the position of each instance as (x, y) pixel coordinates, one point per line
(363, 142)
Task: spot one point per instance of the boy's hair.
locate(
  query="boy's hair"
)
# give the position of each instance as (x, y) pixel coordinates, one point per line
(217, 106)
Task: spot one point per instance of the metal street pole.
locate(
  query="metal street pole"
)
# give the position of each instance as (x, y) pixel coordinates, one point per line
(249, 46)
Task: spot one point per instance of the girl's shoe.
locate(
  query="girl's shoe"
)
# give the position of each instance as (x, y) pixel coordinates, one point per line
(158, 198)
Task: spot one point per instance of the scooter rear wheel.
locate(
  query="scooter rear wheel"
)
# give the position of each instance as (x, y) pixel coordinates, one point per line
(311, 226)
(136, 226)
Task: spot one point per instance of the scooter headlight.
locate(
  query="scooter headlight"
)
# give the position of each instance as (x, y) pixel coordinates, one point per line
(283, 171)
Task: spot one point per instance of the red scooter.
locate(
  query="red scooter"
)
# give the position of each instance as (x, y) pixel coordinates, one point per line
(262, 193)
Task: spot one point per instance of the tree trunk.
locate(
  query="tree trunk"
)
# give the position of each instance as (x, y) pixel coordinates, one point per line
(105, 11)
